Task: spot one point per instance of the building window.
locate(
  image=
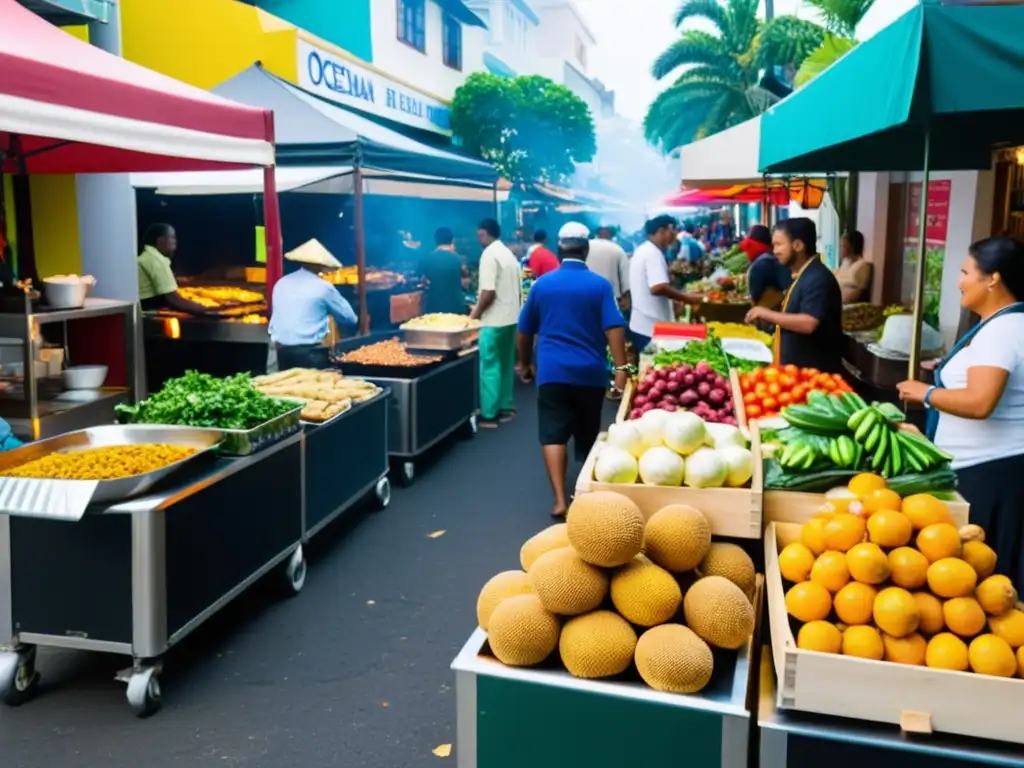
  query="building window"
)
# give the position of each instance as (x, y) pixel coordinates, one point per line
(412, 23)
(451, 38)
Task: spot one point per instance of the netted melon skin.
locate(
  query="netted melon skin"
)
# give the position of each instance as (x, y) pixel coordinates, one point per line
(672, 659)
(605, 528)
(596, 645)
(522, 633)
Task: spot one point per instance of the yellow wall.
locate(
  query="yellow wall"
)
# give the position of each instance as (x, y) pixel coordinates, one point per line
(205, 42)
(55, 224)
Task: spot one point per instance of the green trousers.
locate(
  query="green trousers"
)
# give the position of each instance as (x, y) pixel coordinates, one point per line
(497, 369)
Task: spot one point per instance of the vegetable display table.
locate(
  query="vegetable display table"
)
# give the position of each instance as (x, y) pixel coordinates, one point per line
(137, 577)
(545, 718)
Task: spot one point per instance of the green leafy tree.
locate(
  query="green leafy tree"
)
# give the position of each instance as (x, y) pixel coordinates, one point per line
(718, 71)
(841, 17)
(529, 127)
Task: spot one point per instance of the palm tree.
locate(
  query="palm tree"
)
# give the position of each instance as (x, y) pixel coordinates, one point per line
(841, 17)
(720, 70)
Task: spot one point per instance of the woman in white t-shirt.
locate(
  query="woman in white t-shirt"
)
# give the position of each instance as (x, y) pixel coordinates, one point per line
(976, 406)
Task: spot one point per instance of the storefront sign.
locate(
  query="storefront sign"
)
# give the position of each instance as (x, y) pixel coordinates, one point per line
(936, 230)
(937, 224)
(345, 82)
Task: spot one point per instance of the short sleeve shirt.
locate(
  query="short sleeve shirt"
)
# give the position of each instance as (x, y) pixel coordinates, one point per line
(570, 311)
(815, 293)
(607, 259)
(999, 344)
(155, 275)
(766, 272)
(500, 272)
(647, 269)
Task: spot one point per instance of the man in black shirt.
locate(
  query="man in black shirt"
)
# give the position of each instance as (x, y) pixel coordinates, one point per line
(810, 324)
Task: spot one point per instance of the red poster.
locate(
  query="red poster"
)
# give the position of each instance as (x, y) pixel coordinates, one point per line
(937, 226)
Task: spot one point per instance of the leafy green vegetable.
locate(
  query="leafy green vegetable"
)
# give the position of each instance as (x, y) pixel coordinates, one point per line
(708, 350)
(200, 400)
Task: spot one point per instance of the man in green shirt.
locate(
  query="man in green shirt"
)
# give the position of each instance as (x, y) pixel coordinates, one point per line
(158, 288)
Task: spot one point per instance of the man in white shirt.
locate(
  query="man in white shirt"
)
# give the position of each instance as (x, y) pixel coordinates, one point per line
(611, 262)
(500, 297)
(651, 290)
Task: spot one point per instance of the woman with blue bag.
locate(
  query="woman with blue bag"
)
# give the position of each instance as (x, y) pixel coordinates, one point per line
(976, 405)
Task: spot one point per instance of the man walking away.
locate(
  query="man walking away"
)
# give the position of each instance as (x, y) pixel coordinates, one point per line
(500, 291)
(442, 273)
(573, 314)
(541, 260)
(609, 260)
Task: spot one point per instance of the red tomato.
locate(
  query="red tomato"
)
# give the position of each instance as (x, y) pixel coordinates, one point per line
(771, 374)
(770, 404)
(774, 389)
(798, 393)
(792, 371)
(757, 376)
(785, 398)
(761, 389)
(749, 398)
(786, 381)
(754, 411)
(809, 374)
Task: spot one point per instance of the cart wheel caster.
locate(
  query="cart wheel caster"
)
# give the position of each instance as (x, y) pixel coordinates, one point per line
(295, 572)
(144, 694)
(18, 677)
(473, 428)
(383, 492)
(408, 473)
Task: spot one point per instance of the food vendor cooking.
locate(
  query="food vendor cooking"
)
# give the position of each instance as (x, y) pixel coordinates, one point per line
(158, 288)
(809, 326)
(302, 303)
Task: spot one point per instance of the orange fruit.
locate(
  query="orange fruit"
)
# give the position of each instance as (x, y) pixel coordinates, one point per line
(830, 570)
(1010, 627)
(996, 595)
(839, 499)
(1020, 661)
(952, 577)
(795, 562)
(882, 498)
(923, 509)
(980, 556)
(963, 616)
(863, 642)
(889, 528)
(808, 601)
(946, 651)
(855, 603)
(820, 636)
(909, 568)
(932, 620)
(991, 655)
(812, 535)
(843, 531)
(911, 649)
(867, 563)
(939, 540)
(866, 483)
(895, 612)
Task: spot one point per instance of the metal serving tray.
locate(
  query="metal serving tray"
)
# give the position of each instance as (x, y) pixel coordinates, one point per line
(443, 341)
(68, 499)
(244, 442)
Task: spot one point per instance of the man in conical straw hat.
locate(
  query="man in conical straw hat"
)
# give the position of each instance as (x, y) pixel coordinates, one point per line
(302, 303)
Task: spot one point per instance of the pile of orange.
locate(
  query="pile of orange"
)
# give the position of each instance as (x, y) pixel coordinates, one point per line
(890, 579)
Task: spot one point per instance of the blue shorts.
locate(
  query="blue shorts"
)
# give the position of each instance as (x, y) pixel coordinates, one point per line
(639, 341)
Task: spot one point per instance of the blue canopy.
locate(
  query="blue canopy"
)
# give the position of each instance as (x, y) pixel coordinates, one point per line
(312, 131)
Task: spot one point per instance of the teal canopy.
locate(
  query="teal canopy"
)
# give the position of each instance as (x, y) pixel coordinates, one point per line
(954, 71)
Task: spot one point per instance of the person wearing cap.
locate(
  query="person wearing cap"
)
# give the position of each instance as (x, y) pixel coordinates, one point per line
(574, 318)
(302, 304)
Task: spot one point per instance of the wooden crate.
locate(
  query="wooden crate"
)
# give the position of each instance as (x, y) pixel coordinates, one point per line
(790, 507)
(917, 699)
(734, 512)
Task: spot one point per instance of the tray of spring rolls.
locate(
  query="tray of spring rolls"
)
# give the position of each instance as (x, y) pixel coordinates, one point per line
(325, 395)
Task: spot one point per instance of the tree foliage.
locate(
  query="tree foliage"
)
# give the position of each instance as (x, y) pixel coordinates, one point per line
(841, 17)
(529, 127)
(720, 70)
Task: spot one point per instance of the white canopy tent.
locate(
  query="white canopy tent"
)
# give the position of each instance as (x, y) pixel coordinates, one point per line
(729, 157)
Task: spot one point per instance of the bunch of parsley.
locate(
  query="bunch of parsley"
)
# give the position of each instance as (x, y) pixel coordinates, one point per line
(200, 400)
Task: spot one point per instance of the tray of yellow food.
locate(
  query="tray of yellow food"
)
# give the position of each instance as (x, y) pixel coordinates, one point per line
(218, 297)
(59, 477)
(325, 395)
(441, 331)
(376, 279)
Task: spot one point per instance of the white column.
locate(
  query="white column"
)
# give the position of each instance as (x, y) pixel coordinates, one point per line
(873, 222)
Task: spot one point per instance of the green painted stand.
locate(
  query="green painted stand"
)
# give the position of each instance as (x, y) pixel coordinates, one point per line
(541, 718)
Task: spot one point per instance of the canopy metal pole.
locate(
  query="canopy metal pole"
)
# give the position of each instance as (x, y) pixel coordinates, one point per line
(357, 180)
(922, 266)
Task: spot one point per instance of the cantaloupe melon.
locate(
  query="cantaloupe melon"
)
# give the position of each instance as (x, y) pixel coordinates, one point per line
(606, 529)
(730, 561)
(500, 587)
(598, 644)
(677, 537)
(671, 658)
(553, 537)
(566, 584)
(644, 593)
(521, 632)
(719, 612)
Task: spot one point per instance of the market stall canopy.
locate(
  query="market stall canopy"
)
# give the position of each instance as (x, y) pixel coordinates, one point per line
(807, 193)
(313, 131)
(954, 71)
(727, 157)
(69, 107)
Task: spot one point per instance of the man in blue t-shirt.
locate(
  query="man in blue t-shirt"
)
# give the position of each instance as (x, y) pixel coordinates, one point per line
(574, 316)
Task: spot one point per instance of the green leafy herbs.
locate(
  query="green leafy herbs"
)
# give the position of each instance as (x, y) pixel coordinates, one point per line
(200, 400)
(708, 350)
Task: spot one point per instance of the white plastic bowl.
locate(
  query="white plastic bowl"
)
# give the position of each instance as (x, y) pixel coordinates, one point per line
(67, 292)
(85, 376)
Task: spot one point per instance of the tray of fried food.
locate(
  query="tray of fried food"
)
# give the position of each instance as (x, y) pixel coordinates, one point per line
(321, 411)
(316, 386)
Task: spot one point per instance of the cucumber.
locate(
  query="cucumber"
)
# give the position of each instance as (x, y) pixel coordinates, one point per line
(924, 482)
(809, 420)
(867, 426)
(928, 446)
(895, 454)
(847, 450)
(874, 436)
(854, 401)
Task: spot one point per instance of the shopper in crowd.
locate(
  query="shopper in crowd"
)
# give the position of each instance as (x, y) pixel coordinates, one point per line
(690, 248)
(540, 259)
(767, 279)
(809, 325)
(302, 303)
(650, 288)
(853, 273)
(573, 316)
(976, 405)
(609, 260)
(500, 296)
(442, 274)
(158, 287)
